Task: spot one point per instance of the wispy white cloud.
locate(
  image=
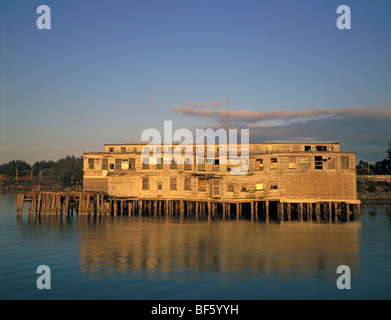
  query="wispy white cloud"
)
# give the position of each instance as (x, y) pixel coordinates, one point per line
(358, 129)
(252, 117)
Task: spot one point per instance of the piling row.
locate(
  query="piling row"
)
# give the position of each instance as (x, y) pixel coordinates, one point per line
(97, 203)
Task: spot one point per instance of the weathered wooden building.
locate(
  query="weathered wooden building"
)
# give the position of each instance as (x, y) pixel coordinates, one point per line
(293, 178)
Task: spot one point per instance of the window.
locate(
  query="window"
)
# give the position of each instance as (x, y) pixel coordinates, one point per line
(321, 148)
(132, 164)
(259, 186)
(105, 164)
(304, 163)
(125, 164)
(123, 149)
(118, 164)
(274, 185)
(292, 163)
(345, 162)
(159, 186)
(111, 149)
(187, 184)
(201, 185)
(159, 164)
(91, 164)
(269, 149)
(187, 164)
(173, 184)
(174, 165)
(145, 183)
(216, 165)
(331, 163)
(146, 163)
(273, 164)
(318, 162)
(307, 148)
(200, 164)
(231, 187)
(259, 165)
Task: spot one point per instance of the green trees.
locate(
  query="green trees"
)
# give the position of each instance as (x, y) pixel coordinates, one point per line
(9, 169)
(382, 167)
(67, 171)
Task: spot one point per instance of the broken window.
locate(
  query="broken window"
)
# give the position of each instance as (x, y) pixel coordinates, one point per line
(111, 166)
(345, 162)
(259, 186)
(173, 184)
(145, 183)
(307, 148)
(244, 188)
(292, 163)
(146, 163)
(159, 163)
(91, 163)
(118, 164)
(318, 162)
(200, 164)
(201, 184)
(216, 164)
(273, 164)
(105, 164)
(304, 163)
(125, 164)
(187, 184)
(274, 185)
(132, 164)
(321, 148)
(187, 164)
(331, 163)
(259, 164)
(111, 149)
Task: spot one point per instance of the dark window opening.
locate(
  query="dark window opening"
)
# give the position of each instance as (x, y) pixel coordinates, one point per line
(132, 164)
(318, 162)
(321, 148)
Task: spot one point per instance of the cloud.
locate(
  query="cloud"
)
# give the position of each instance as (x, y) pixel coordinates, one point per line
(251, 117)
(365, 131)
(198, 104)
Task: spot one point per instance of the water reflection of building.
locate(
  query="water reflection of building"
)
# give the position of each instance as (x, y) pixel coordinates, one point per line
(163, 246)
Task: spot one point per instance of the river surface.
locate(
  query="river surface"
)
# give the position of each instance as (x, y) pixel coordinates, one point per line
(163, 258)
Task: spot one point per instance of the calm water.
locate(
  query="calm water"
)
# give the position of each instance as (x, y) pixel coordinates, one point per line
(133, 258)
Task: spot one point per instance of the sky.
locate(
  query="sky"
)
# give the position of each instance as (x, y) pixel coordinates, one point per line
(108, 70)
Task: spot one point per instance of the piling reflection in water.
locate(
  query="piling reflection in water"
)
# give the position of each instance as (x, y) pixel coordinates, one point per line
(169, 246)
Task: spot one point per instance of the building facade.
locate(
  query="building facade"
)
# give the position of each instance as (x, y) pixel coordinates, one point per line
(282, 172)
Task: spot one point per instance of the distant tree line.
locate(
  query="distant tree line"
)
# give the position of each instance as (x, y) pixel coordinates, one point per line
(382, 167)
(67, 171)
